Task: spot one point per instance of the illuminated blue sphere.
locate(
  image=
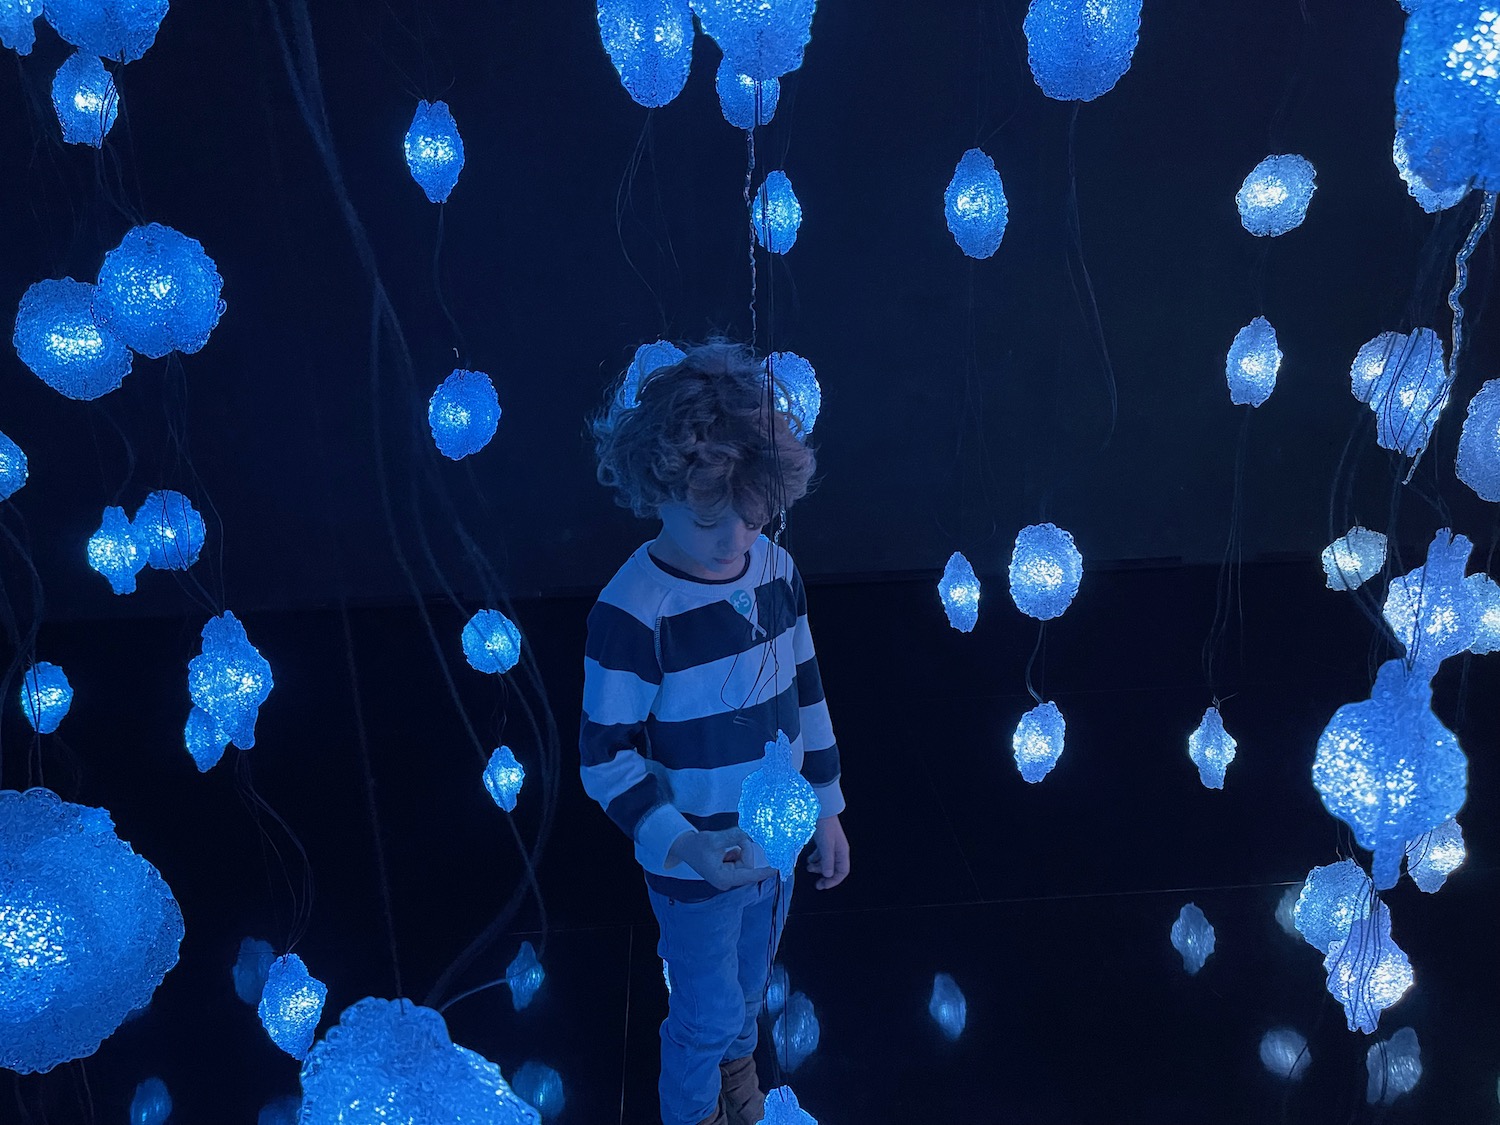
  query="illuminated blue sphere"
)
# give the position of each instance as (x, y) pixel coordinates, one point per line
(1479, 443)
(291, 1003)
(796, 1032)
(651, 44)
(1254, 359)
(120, 30)
(251, 966)
(959, 591)
(525, 976)
(230, 679)
(87, 930)
(158, 292)
(974, 205)
(1430, 610)
(1038, 741)
(1409, 391)
(170, 529)
(152, 1104)
(1367, 972)
(283, 1111)
(649, 358)
(434, 150)
(1484, 611)
(1332, 899)
(948, 1008)
(1284, 1053)
(85, 99)
(46, 697)
(782, 1109)
(18, 24)
(57, 338)
(464, 413)
(778, 808)
(738, 95)
(1389, 769)
(492, 642)
(775, 214)
(1274, 197)
(1429, 200)
(1393, 1066)
(1448, 94)
(540, 1087)
(1193, 937)
(115, 552)
(393, 1061)
(13, 468)
(778, 988)
(204, 738)
(1211, 749)
(1354, 558)
(503, 778)
(1045, 570)
(797, 391)
(1367, 374)
(761, 38)
(1435, 855)
(1079, 49)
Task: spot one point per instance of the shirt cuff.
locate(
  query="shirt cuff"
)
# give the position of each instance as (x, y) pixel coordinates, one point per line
(657, 832)
(830, 799)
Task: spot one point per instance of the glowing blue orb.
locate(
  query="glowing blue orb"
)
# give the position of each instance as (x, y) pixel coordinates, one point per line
(1254, 360)
(121, 30)
(393, 1061)
(87, 930)
(1435, 855)
(1484, 611)
(540, 1087)
(1193, 937)
(204, 738)
(782, 1109)
(1354, 558)
(778, 808)
(115, 552)
(1079, 49)
(1448, 94)
(1367, 972)
(85, 99)
(1045, 570)
(948, 1007)
(503, 777)
(778, 987)
(434, 150)
(974, 205)
(230, 679)
(1332, 899)
(525, 976)
(1286, 906)
(959, 591)
(1389, 769)
(57, 338)
(740, 97)
(1418, 188)
(1367, 374)
(1479, 443)
(1211, 749)
(775, 214)
(13, 468)
(158, 292)
(492, 642)
(251, 967)
(1430, 610)
(1274, 197)
(1409, 392)
(1038, 741)
(170, 529)
(1284, 1053)
(761, 38)
(797, 391)
(795, 1032)
(46, 696)
(283, 1111)
(1394, 1067)
(291, 1003)
(651, 44)
(649, 359)
(463, 413)
(18, 24)
(152, 1104)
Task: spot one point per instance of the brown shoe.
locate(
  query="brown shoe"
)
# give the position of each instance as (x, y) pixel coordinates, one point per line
(742, 1097)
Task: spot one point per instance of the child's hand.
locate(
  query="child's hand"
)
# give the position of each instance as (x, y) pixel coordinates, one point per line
(830, 855)
(720, 857)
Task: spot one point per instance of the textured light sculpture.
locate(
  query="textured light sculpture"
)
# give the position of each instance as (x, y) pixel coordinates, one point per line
(56, 337)
(948, 1007)
(1479, 443)
(115, 552)
(393, 1061)
(1404, 379)
(782, 1109)
(649, 358)
(1448, 94)
(491, 641)
(85, 100)
(250, 968)
(651, 44)
(1284, 1053)
(778, 987)
(1367, 372)
(152, 1104)
(1389, 769)
(974, 205)
(1354, 558)
(283, 1111)
(1193, 937)
(796, 1032)
(18, 24)
(540, 1087)
(122, 30)
(1286, 906)
(170, 529)
(1484, 611)
(1079, 49)
(204, 739)
(1435, 855)
(1253, 363)
(761, 38)
(87, 930)
(1274, 197)
(503, 777)
(434, 150)
(778, 808)
(1211, 749)
(1430, 610)
(525, 976)
(158, 292)
(1418, 188)
(775, 214)
(13, 468)
(1394, 1066)
(230, 679)
(959, 591)
(46, 697)
(463, 413)
(746, 103)
(1038, 741)
(291, 1003)
(1045, 570)
(797, 391)
(1332, 899)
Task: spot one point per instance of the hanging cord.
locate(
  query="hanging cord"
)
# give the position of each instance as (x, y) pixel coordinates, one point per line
(1041, 633)
(1228, 591)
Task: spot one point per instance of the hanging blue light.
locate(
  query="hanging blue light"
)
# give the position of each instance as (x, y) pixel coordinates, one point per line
(115, 552)
(204, 739)
(251, 966)
(282, 1111)
(18, 24)
(778, 808)
(745, 102)
(1253, 363)
(13, 468)
(56, 337)
(651, 44)
(1274, 197)
(1286, 906)
(1354, 558)
(1430, 201)
(46, 697)
(170, 529)
(230, 679)
(121, 30)
(1193, 937)
(776, 214)
(782, 1108)
(761, 38)
(152, 1104)
(974, 205)
(1484, 611)
(1045, 570)
(525, 976)
(649, 358)
(778, 988)
(1038, 741)
(85, 99)
(1332, 899)
(1479, 443)
(1448, 94)
(492, 642)
(291, 1003)
(1410, 391)
(1211, 749)
(1393, 1066)
(158, 292)
(797, 391)
(1430, 610)
(540, 1087)
(948, 1008)
(503, 778)
(1079, 49)
(87, 930)
(796, 1032)
(463, 413)
(1367, 374)
(1367, 972)
(1435, 855)
(1284, 1053)
(434, 150)
(959, 591)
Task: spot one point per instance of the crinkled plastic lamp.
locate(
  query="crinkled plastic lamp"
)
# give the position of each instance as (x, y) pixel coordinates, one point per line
(13, 468)
(46, 697)
(121, 30)
(1284, 1053)
(492, 642)
(1430, 611)
(463, 413)
(1435, 855)
(797, 391)
(1253, 363)
(1408, 390)
(1354, 558)
(796, 1032)
(948, 1008)
(539, 1086)
(503, 777)
(18, 24)
(959, 591)
(115, 552)
(170, 529)
(85, 100)
(1193, 937)
(1045, 571)
(1393, 1066)
(230, 679)
(1211, 749)
(158, 292)
(1079, 49)
(974, 205)
(434, 150)
(651, 44)
(251, 967)
(1479, 443)
(1448, 94)
(1332, 899)
(1038, 741)
(745, 102)
(1430, 201)
(1274, 197)
(152, 1104)
(775, 214)
(525, 976)
(282, 1111)
(782, 1108)
(291, 1003)
(649, 358)
(204, 739)
(761, 38)
(778, 808)
(57, 338)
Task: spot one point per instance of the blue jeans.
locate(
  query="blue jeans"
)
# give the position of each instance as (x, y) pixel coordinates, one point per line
(718, 954)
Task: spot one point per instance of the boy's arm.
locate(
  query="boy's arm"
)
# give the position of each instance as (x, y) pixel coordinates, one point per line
(820, 751)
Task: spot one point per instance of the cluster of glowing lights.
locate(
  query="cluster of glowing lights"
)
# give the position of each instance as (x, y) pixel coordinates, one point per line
(18, 24)
(46, 697)
(1274, 197)
(122, 30)
(782, 1108)
(1045, 571)
(778, 808)
(1284, 1053)
(796, 1032)
(170, 529)
(1354, 558)
(1211, 748)
(1393, 1067)
(158, 292)
(116, 552)
(948, 1008)
(1332, 899)
(1448, 94)
(1079, 49)
(434, 150)
(525, 976)
(1253, 363)
(1435, 855)
(1431, 610)
(463, 413)
(229, 679)
(85, 100)
(1404, 380)
(1479, 443)
(492, 642)
(798, 394)
(775, 213)
(1038, 741)
(503, 778)
(291, 1003)
(959, 591)
(57, 337)
(745, 102)
(648, 359)
(760, 39)
(152, 1103)
(650, 43)
(251, 966)
(1193, 938)
(13, 468)
(974, 205)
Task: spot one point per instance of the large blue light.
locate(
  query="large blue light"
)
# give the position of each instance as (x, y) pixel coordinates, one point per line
(87, 930)
(13, 468)
(1448, 94)
(1409, 391)
(115, 552)
(1045, 570)
(651, 44)
(796, 1032)
(1284, 1053)
(1430, 611)
(1038, 741)
(744, 101)
(797, 391)
(18, 24)
(761, 38)
(948, 1008)
(1193, 937)
(85, 100)
(57, 338)
(204, 739)
(959, 591)
(1367, 971)
(649, 358)
(776, 214)
(158, 292)
(291, 1003)
(1354, 558)
(1079, 49)
(492, 642)
(1274, 197)
(1332, 899)
(1429, 200)
(778, 808)
(1393, 1067)
(170, 529)
(46, 696)
(503, 777)
(122, 30)
(540, 1087)
(463, 413)
(525, 976)
(230, 679)
(1435, 855)
(1367, 374)
(782, 1108)
(152, 1104)
(434, 150)
(1211, 749)
(974, 205)
(1479, 443)
(251, 966)
(1253, 363)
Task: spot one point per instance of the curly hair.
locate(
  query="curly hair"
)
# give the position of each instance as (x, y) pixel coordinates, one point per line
(706, 431)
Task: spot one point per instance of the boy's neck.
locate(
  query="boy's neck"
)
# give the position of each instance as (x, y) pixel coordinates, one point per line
(665, 551)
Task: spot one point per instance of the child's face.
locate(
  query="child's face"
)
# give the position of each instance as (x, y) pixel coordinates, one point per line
(706, 544)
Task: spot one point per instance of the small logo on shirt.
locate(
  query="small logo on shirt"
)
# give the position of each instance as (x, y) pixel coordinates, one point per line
(742, 602)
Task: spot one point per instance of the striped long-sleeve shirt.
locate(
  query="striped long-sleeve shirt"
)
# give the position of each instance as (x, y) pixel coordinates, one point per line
(685, 681)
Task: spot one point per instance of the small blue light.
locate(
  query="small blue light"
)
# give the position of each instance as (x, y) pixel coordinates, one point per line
(525, 976)
(86, 101)
(540, 1087)
(1484, 611)
(651, 44)
(1367, 972)
(1430, 201)
(1448, 94)
(1079, 49)
(13, 468)
(959, 591)
(463, 413)
(1193, 937)
(1393, 1066)
(1274, 197)
(778, 808)
(1254, 359)
(18, 24)
(230, 679)
(120, 30)
(778, 987)
(56, 337)
(974, 205)
(204, 738)
(1479, 443)
(251, 966)
(1286, 907)
(170, 529)
(503, 778)
(1038, 741)
(1430, 610)
(797, 391)
(283, 1111)
(115, 552)
(434, 150)
(492, 642)
(1406, 378)
(46, 697)
(152, 1104)
(291, 1005)
(948, 1007)
(158, 292)
(1284, 1053)
(1332, 899)
(1045, 571)
(1367, 374)
(1435, 855)
(649, 358)
(795, 1033)
(762, 39)
(737, 97)
(1354, 558)
(1211, 749)
(775, 214)
(782, 1109)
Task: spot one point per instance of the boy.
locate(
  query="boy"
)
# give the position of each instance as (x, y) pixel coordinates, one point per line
(698, 652)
